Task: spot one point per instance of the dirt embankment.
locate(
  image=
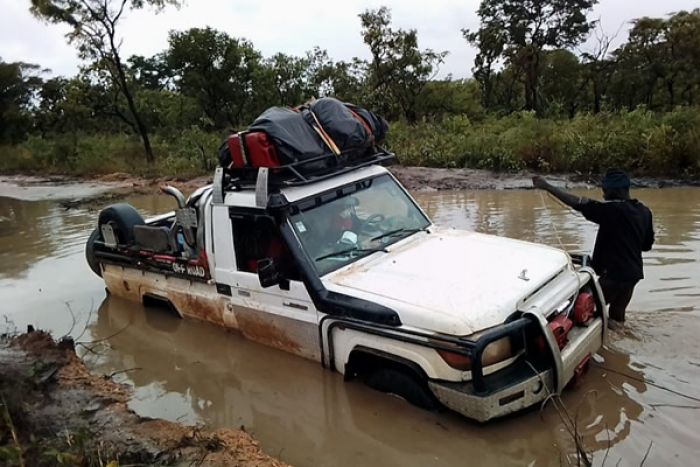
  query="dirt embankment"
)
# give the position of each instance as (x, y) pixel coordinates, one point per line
(435, 179)
(55, 412)
(96, 192)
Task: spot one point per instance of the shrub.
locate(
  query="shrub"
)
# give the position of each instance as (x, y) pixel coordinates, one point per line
(639, 141)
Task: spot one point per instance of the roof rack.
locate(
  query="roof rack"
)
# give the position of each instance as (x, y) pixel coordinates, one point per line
(307, 171)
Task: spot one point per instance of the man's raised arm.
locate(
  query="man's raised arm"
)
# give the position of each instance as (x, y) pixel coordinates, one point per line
(565, 197)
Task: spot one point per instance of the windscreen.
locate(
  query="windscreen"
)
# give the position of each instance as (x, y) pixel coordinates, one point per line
(357, 220)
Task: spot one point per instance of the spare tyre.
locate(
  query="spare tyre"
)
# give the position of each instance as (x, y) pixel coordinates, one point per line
(123, 218)
(90, 252)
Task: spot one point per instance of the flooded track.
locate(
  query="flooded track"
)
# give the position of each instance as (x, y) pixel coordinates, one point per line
(194, 372)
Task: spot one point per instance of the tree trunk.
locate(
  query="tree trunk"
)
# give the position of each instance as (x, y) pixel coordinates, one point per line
(511, 92)
(537, 107)
(123, 84)
(531, 79)
(143, 131)
(488, 90)
(529, 105)
(411, 115)
(596, 97)
(486, 86)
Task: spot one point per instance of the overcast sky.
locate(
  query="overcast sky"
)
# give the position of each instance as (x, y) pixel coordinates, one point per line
(290, 26)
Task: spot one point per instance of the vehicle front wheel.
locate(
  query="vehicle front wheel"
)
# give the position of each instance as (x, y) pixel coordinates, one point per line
(90, 253)
(404, 385)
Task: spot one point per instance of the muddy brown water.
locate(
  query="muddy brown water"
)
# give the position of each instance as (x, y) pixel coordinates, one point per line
(197, 373)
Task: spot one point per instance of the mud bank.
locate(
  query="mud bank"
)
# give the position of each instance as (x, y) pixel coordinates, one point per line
(88, 191)
(54, 411)
(100, 190)
(424, 179)
(32, 188)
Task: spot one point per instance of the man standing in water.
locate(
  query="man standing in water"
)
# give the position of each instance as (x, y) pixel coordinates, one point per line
(625, 231)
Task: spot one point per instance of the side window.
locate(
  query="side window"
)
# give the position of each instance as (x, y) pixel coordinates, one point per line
(245, 242)
(256, 237)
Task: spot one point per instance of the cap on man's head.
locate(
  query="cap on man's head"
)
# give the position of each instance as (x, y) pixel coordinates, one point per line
(615, 178)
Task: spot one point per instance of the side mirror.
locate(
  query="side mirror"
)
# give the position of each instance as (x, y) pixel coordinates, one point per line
(268, 275)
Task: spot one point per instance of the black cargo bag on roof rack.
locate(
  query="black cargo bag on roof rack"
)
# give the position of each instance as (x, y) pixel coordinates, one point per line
(346, 131)
(377, 124)
(326, 127)
(294, 139)
(350, 131)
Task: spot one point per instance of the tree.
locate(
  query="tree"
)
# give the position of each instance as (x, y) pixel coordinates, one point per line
(94, 25)
(490, 40)
(150, 72)
(349, 81)
(50, 115)
(317, 75)
(684, 36)
(666, 53)
(18, 85)
(562, 82)
(320, 72)
(519, 31)
(219, 71)
(508, 92)
(451, 97)
(399, 70)
(290, 79)
(598, 66)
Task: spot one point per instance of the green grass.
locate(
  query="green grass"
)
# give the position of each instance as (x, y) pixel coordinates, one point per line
(642, 142)
(189, 153)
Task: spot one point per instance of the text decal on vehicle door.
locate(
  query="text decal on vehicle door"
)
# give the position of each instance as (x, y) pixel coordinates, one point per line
(189, 270)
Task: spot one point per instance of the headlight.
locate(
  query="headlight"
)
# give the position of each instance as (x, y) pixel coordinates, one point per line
(495, 352)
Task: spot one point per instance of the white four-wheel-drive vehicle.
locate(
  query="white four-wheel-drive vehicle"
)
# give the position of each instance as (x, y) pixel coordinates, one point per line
(340, 265)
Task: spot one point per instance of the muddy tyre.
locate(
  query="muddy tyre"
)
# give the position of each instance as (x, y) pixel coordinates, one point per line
(124, 217)
(403, 384)
(90, 252)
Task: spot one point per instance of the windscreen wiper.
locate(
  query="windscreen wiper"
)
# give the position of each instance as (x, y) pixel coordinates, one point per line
(393, 233)
(350, 250)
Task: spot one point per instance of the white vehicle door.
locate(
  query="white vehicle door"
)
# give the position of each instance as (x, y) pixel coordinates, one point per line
(283, 315)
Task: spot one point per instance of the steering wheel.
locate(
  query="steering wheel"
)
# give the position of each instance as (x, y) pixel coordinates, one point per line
(374, 221)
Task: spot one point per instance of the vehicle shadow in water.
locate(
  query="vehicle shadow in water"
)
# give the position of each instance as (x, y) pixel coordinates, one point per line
(199, 372)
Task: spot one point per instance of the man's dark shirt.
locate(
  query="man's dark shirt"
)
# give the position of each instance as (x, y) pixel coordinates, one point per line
(625, 231)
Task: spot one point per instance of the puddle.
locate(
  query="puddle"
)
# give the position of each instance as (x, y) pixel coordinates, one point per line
(194, 372)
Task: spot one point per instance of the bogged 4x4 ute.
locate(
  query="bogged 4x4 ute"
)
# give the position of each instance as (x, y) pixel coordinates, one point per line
(341, 266)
